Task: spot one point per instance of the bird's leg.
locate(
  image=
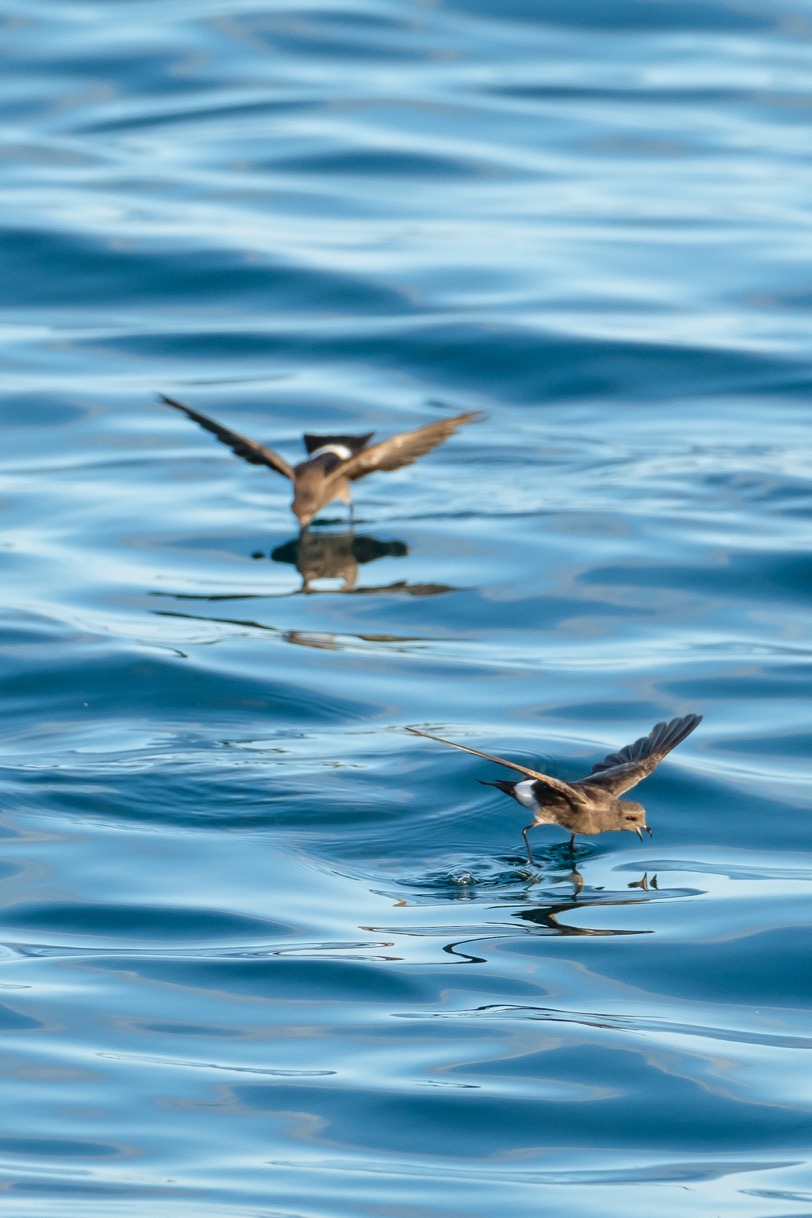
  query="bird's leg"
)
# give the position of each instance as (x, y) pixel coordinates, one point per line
(572, 844)
(530, 858)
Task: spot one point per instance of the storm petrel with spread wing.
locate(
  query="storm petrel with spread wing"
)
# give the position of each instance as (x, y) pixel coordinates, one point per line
(333, 462)
(590, 805)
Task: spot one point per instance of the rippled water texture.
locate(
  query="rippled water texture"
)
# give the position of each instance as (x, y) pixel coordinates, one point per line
(263, 952)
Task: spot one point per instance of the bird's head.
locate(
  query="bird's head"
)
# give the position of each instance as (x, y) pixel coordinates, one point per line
(632, 817)
(306, 500)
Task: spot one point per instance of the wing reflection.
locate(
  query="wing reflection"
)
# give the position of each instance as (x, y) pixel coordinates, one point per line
(322, 640)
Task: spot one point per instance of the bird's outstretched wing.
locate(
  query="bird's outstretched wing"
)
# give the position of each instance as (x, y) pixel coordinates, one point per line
(249, 450)
(622, 770)
(571, 794)
(402, 449)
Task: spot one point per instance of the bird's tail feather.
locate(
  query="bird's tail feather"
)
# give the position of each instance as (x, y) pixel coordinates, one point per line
(501, 784)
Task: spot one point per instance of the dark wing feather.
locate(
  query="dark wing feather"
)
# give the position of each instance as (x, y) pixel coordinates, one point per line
(623, 770)
(569, 793)
(249, 450)
(402, 449)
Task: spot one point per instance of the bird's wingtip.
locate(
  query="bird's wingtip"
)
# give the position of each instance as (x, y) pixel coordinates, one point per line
(415, 731)
(474, 416)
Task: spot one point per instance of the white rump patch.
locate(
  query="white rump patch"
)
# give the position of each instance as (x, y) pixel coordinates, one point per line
(340, 450)
(524, 794)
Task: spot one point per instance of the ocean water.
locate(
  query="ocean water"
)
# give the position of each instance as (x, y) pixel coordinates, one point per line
(262, 952)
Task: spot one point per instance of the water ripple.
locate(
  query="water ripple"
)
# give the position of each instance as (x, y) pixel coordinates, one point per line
(262, 950)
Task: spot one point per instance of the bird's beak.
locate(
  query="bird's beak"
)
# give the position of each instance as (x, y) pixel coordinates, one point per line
(639, 832)
(648, 830)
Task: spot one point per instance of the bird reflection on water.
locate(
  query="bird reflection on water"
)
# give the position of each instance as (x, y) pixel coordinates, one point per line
(318, 555)
(546, 917)
(519, 901)
(321, 556)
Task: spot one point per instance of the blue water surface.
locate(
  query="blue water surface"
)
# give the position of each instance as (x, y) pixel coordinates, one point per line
(263, 952)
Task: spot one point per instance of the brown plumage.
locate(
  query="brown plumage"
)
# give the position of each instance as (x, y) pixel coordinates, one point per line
(589, 805)
(333, 462)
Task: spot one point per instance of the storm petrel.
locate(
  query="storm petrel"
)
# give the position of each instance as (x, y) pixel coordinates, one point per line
(590, 805)
(333, 462)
